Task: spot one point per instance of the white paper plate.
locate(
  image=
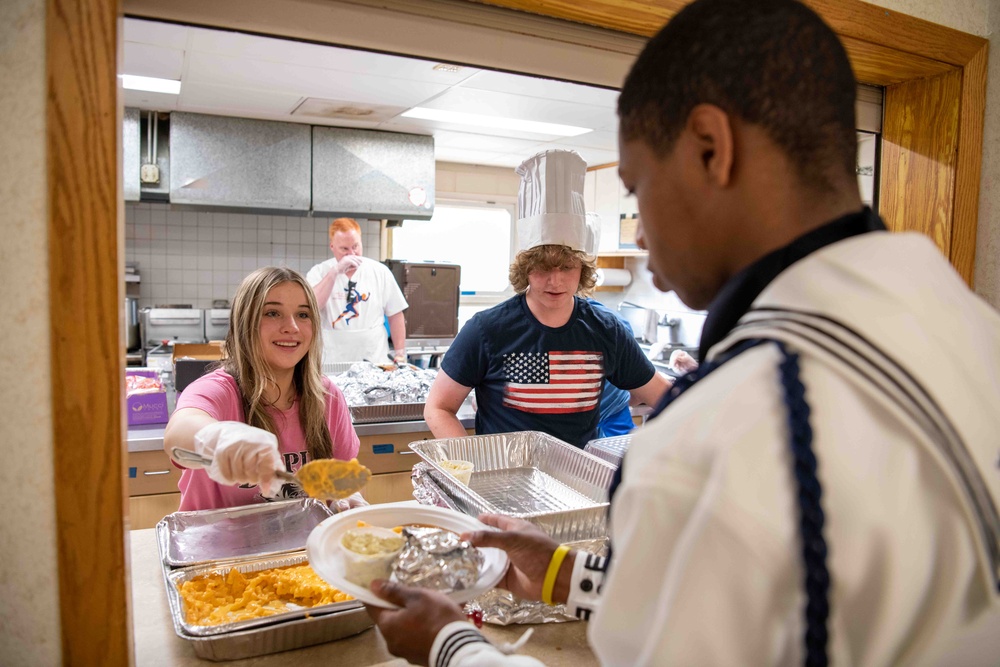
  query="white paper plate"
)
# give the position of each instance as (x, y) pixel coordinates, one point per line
(326, 556)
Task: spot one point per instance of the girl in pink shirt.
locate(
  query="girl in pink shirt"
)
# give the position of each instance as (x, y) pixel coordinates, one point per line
(268, 407)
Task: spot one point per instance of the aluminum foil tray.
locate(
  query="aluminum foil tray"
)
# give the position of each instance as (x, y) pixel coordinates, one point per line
(261, 529)
(183, 628)
(337, 367)
(529, 475)
(387, 412)
(610, 449)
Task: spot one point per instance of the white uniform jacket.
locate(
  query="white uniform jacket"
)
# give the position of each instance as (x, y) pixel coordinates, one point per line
(707, 568)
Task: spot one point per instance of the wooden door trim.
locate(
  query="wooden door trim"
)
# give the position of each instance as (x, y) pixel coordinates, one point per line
(85, 255)
(85, 311)
(889, 49)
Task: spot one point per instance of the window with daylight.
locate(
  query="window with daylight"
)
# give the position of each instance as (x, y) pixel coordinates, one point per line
(478, 238)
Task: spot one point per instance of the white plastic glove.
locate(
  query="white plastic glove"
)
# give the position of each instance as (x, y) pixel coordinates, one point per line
(241, 454)
(682, 362)
(348, 264)
(349, 503)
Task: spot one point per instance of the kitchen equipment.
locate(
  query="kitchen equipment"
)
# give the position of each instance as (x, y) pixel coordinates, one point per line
(241, 538)
(323, 479)
(132, 340)
(179, 325)
(432, 290)
(642, 320)
(216, 323)
(528, 475)
(231, 533)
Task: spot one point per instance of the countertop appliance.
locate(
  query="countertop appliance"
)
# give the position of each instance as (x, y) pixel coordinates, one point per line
(177, 325)
(132, 340)
(432, 290)
(216, 323)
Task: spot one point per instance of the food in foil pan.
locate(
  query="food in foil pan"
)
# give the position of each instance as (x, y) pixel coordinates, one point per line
(369, 553)
(365, 383)
(214, 599)
(460, 470)
(438, 559)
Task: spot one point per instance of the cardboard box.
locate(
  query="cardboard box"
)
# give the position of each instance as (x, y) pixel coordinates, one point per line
(191, 361)
(146, 408)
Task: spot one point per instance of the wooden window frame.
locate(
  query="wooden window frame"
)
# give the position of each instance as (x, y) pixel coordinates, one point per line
(935, 81)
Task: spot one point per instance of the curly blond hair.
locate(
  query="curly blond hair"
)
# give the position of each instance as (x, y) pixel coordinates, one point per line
(548, 257)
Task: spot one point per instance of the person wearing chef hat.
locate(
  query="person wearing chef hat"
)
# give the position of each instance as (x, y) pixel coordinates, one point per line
(355, 296)
(538, 361)
(824, 489)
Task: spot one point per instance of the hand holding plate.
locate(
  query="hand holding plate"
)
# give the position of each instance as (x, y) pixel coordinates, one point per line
(409, 631)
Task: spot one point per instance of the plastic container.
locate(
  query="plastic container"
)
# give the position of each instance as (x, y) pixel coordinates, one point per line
(369, 553)
(459, 469)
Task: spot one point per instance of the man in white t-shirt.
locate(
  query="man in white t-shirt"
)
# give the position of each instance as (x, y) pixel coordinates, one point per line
(354, 293)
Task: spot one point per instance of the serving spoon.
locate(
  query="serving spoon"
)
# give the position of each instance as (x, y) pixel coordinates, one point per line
(323, 479)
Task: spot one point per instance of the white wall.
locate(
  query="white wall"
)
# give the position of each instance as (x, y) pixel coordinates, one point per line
(194, 257)
(29, 602)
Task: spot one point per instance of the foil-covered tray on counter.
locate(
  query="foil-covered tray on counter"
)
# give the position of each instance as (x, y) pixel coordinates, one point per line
(175, 578)
(386, 412)
(610, 449)
(528, 475)
(261, 529)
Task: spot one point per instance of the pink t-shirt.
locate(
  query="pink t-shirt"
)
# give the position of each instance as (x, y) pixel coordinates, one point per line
(217, 394)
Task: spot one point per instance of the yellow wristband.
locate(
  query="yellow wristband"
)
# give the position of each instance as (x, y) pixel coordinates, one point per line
(553, 572)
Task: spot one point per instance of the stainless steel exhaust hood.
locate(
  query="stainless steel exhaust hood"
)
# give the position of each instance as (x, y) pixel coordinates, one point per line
(370, 174)
(255, 164)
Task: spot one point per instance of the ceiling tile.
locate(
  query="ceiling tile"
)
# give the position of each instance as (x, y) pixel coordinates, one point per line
(168, 35)
(147, 101)
(509, 105)
(521, 84)
(218, 99)
(151, 60)
(307, 81)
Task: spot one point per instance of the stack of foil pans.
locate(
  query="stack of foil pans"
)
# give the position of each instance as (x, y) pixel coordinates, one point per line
(250, 538)
(610, 449)
(528, 475)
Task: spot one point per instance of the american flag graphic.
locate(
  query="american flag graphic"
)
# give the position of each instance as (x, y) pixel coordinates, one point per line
(553, 382)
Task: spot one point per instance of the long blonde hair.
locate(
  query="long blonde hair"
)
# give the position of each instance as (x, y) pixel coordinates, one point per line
(244, 360)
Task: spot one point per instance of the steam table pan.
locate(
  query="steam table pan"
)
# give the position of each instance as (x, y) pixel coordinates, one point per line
(528, 475)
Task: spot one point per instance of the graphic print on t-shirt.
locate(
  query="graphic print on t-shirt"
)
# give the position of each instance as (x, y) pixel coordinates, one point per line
(553, 382)
(353, 299)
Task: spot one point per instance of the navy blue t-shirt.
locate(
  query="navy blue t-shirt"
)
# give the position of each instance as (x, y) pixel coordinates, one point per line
(530, 377)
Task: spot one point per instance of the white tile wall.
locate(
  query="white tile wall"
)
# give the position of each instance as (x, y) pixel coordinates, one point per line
(195, 256)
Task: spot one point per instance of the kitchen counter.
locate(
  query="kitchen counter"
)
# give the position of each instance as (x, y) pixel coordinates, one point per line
(156, 643)
(150, 437)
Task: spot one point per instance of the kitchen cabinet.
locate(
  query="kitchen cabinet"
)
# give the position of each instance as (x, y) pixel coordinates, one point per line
(152, 488)
(390, 460)
(147, 511)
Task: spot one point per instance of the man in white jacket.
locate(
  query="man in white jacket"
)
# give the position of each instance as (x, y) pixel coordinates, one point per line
(824, 489)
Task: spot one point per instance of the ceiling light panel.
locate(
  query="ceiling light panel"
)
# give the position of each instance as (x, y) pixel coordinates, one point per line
(494, 122)
(151, 84)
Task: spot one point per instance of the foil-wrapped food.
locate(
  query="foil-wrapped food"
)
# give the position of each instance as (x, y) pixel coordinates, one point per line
(365, 383)
(438, 559)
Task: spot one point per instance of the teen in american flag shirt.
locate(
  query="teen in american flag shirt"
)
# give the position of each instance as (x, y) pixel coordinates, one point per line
(538, 361)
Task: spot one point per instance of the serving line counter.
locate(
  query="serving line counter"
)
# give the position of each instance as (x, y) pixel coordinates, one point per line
(156, 643)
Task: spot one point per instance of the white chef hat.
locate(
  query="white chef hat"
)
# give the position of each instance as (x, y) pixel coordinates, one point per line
(550, 206)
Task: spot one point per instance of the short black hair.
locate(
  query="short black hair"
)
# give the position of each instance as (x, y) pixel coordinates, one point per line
(772, 63)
